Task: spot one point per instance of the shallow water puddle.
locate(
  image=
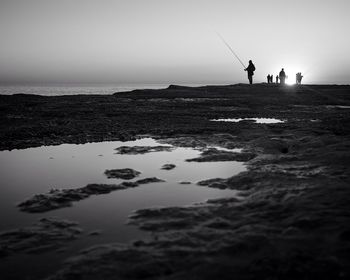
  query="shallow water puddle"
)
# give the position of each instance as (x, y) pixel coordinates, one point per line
(337, 107)
(37, 170)
(256, 120)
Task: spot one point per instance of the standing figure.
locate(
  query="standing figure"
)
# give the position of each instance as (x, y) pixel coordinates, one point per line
(277, 79)
(282, 77)
(299, 77)
(268, 78)
(271, 78)
(250, 69)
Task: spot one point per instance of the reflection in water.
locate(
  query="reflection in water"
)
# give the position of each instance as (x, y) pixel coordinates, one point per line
(337, 107)
(257, 120)
(37, 170)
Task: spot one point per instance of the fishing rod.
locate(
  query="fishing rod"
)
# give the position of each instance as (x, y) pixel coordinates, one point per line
(229, 47)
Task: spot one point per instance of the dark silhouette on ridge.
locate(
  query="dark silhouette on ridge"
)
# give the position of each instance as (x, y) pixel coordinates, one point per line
(250, 69)
(282, 76)
(277, 79)
(298, 78)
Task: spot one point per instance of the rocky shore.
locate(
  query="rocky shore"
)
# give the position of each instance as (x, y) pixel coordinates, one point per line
(291, 218)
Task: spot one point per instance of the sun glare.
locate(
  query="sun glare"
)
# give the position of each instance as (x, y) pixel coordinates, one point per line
(290, 80)
(291, 73)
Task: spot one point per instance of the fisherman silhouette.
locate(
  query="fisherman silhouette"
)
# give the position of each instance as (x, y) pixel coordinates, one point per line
(271, 78)
(298, 78)
(268, 78)
(277, 79)
(250, 69)
(282, 77)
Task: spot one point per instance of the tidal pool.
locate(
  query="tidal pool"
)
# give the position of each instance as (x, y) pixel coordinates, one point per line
(337, 107)
(256, 120)
(37, 170)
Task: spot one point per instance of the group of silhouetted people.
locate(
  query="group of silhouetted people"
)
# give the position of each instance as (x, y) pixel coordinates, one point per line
(269, 79)
(280, 78)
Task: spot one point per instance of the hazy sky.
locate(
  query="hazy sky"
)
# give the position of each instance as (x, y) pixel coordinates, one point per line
(162, 41)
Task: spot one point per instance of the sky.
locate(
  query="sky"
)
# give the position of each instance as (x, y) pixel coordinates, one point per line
(173, 42)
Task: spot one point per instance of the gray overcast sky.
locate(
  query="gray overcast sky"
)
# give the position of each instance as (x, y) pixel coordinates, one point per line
(162, 41)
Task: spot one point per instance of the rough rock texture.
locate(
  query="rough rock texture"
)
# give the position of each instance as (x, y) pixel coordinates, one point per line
(58, 198)
(291, 220)
(46, 235)
(216, 183)
(33, 120)
(142, 149)
(149, 180)
(213, 154)
(125, 173)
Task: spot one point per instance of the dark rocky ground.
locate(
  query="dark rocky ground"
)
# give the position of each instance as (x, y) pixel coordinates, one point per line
(292, 217)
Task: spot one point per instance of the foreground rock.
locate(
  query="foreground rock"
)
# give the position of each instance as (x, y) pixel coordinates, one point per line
(149, 180)
(125, 173)
(216, 183)
(59, 198)
(291, 218)
(213, 154)
(142, 149)
(168, 166)
(46, 235)
(267, 234)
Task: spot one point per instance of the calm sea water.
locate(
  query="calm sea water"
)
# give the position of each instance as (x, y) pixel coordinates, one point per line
(53, 90)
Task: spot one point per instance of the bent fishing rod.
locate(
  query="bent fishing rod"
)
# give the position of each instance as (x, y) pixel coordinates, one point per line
(232, 51)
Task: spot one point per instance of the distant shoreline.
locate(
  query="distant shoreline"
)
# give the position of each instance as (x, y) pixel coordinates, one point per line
(63, 90)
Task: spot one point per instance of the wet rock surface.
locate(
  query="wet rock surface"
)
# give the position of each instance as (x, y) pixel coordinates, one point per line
(142, 149)
(213, 154)
(291, 218)
(59, 198)
(125, 173)
(217, 183)
(149, 180)
(47, 234)
(168, 166)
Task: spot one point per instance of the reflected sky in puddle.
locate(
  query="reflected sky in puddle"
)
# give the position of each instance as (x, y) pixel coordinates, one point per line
(37, 170)
(257, 120)
(337, 107)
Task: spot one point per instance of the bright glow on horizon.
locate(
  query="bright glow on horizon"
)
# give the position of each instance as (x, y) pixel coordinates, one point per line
(291, 70)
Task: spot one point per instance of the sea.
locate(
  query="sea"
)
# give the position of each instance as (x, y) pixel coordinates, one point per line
(55, 90)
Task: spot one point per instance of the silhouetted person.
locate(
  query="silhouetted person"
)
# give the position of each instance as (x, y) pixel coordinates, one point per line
(250, 69)
(298, 78)
(277, 79)
(282, 77)
(271, 79)
(268, 78)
